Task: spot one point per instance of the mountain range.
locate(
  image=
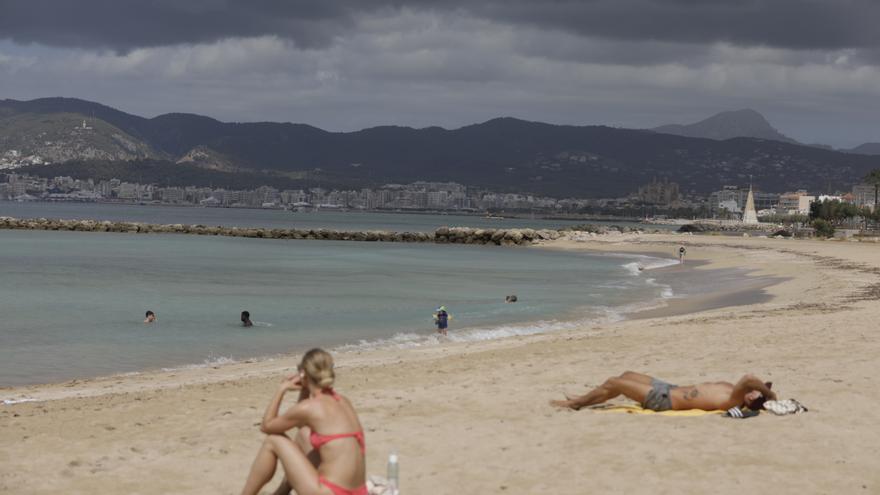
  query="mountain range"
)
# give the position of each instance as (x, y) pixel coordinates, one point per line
(746, 123)
(867, 149)
(83, 139)
(729, 125)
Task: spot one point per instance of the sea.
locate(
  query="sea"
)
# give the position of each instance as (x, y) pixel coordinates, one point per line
(72, 304)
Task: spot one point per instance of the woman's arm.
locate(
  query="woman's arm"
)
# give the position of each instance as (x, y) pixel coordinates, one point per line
(749, 383)
(293, 417)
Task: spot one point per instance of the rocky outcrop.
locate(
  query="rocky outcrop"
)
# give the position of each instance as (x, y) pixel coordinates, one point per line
(443, 235)
(205, 157)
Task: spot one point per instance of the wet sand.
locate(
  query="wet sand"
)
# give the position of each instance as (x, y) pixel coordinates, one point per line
(474, 418)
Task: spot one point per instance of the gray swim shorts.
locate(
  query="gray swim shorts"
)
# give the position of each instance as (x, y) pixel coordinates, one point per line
(658, 399)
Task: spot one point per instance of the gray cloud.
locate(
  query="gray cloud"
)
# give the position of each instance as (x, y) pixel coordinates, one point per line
(809, 24)
(126, 24)
(348, 65)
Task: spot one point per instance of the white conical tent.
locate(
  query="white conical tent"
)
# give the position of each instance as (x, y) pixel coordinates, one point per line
(749, 214)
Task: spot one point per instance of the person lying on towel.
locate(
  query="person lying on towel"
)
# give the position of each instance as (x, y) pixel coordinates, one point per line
(657, 395)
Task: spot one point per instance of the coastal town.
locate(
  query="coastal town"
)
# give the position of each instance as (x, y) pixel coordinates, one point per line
(656, 199)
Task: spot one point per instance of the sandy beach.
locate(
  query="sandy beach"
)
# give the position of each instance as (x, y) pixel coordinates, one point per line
(474, 418)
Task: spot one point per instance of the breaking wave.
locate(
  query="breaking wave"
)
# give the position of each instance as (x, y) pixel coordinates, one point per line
(645, 263)
(210, 362)
(409, 340)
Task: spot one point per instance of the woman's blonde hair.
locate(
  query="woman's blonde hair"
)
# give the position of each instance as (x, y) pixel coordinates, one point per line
(317, 364)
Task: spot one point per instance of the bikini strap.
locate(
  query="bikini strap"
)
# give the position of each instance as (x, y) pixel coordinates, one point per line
(331, 392)
(318, 440)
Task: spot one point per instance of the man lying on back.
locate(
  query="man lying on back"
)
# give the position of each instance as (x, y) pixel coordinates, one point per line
(658, 395)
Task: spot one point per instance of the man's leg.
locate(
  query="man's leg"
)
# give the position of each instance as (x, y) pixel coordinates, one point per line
(637, 377)
(613, 387)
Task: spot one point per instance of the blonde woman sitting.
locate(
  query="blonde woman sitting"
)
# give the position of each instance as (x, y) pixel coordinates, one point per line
(326, 457)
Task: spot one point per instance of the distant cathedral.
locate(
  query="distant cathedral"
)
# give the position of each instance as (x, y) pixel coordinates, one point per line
(659, 193)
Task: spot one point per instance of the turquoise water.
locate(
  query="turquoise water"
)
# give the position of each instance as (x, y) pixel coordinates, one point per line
(72, 303)
(241, 217)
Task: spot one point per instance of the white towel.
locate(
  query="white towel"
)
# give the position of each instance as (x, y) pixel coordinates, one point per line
(783, 407)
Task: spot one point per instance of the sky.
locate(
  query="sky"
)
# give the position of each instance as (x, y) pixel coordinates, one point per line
(812, 67)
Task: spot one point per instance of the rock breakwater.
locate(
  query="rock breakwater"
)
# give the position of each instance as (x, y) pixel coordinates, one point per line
(699, 228)
(443, 235)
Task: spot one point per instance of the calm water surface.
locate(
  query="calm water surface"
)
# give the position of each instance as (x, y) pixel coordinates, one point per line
(72, 303)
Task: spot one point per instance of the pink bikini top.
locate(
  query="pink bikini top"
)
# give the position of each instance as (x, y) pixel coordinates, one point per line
(318, 440)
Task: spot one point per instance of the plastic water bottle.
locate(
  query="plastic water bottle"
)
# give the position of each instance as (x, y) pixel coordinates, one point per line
(393, 474)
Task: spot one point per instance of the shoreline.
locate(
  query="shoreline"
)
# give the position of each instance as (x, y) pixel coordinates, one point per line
(194, 432)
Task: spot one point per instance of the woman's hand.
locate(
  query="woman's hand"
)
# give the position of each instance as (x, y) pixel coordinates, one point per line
(292, 382)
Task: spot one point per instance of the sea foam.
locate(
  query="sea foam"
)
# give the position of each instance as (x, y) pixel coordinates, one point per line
(209, 362)
(409, 340)
(599, 315)
(645, 263)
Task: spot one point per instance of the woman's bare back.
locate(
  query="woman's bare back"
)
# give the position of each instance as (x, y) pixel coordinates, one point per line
(336, 416)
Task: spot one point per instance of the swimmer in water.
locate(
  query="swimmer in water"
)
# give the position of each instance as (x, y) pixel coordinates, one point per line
(441, 319)
(246, 319)
(150, 317)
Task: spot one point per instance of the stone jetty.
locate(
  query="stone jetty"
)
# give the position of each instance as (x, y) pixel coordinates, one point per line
(443, 235)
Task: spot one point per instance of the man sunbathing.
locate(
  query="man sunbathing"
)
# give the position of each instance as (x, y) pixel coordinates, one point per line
(658, 395)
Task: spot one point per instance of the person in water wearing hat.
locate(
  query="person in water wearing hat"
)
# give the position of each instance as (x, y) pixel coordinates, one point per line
(441, 319)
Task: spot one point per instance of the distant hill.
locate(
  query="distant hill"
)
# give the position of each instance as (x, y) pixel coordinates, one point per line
(867, 149)
(204, 157)
(63, 136)
(728, 125)
(503, 154)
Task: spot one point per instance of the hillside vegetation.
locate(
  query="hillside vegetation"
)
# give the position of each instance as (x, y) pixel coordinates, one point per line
(502, 154)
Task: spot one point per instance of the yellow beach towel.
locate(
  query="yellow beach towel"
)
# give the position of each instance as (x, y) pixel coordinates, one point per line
(636, 409)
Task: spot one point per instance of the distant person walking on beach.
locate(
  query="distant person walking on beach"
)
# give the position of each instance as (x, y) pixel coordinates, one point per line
(681, 252)
(150, 317)
(326, 455)
(246, 319)
(441, 319)
(658, 395)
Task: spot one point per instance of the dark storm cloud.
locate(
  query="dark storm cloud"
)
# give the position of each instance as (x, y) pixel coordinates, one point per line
(812, 24)
(127, 24)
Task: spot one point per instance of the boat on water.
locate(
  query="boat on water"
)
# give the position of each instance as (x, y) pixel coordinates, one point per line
(299, 207)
